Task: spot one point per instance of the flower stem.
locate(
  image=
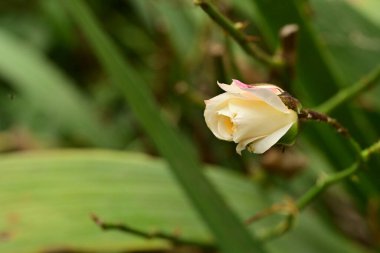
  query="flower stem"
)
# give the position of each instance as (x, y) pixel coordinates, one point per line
(348, 93)
(372, 149)
(250, 48)
(314, 192)
(307, 114)
(325, 182)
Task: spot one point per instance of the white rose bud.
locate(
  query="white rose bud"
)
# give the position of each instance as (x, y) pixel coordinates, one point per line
(253, 116)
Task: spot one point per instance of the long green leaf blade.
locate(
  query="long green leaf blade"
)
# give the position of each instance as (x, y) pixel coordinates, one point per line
(229, 232)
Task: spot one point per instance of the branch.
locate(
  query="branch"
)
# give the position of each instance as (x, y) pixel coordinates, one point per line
(172, 238)
(348, 93)
(307, 114)
(250, 48)
(321, 185)
(326, 181)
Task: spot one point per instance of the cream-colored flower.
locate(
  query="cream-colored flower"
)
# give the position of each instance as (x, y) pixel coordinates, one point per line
(253, 116)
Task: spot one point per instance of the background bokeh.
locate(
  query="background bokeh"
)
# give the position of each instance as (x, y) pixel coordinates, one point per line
(87, 151)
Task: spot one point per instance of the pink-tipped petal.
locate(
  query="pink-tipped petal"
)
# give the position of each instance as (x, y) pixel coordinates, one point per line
(239, 84)
(275, 89)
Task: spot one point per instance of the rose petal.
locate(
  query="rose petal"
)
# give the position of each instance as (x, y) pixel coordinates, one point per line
(239, 84)
(275, 89)
(225, 128)
(243, 144)
(230, 88)
(212, 115)
(251, 115)
(256, 118)
(269, 97)
(266, 92)
(262, 145)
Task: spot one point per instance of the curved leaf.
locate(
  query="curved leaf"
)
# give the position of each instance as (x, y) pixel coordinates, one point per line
(47, 197)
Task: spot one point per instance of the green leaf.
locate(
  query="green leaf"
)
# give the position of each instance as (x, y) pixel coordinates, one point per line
(229, 232)
(47, 197)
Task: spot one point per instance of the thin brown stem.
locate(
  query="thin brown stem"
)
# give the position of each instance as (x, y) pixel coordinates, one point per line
(307, 114)
(173, 238)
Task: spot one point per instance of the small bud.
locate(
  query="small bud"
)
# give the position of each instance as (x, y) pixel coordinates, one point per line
(253, 116)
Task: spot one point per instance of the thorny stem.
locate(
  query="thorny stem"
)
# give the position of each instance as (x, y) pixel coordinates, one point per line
(348, 93)
(321, 185)
(173, 238)
(250, 48)
(326, 181)
(307, 114)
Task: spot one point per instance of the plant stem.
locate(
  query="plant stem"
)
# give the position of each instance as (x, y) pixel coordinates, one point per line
(348, 93)
(307, 114)
(250, 48)
(372, 149)
(325, 182)
(315, 191)
(174, 239)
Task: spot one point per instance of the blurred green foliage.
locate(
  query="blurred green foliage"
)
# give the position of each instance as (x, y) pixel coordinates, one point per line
(55, 93)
